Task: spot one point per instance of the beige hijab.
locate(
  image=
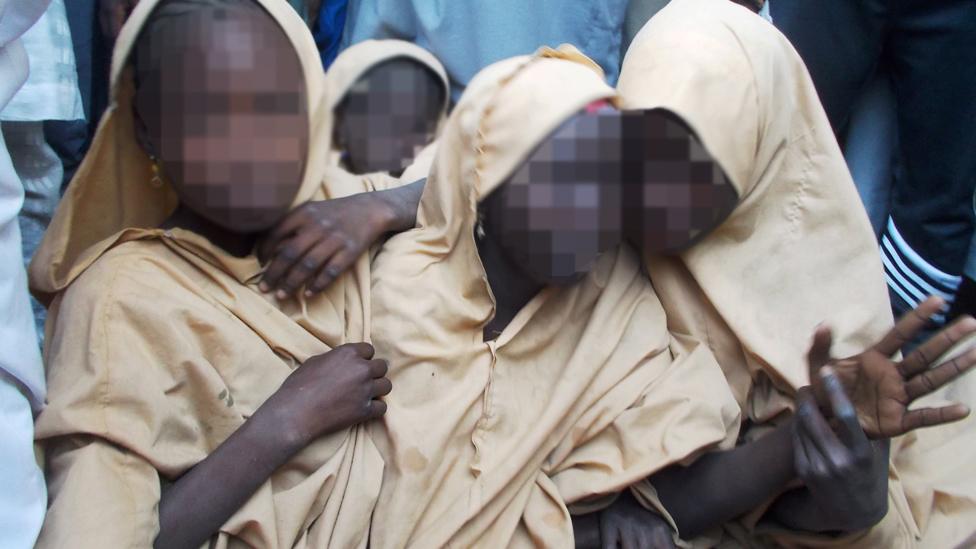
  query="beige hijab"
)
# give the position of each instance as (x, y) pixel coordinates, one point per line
(797, 251)
(581, 396)
(160, 346)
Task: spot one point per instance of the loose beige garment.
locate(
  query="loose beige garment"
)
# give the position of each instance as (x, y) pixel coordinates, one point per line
(798, 249)
(582, 395)
(160, 346)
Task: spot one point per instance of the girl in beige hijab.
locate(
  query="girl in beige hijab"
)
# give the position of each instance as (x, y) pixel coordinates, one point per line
(534, 372)
(792, 251)
(388, 99)
(185, 407)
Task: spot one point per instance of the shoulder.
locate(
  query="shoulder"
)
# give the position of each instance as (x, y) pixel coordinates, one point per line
(139, 278)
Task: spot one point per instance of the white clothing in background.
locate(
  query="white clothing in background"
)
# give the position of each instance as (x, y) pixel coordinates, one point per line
(23, 498)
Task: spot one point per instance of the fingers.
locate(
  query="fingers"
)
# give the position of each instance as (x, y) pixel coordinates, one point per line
(930, 381)
(852, 433)
(304, 271)
(362, 349)
(285, 229)
(337, 264)
(610, 537)
(376, 408)
(662, 539)
(908, 326)
(378, 367)
(825, 444)
(628, 539)
(929, 417)
(285, 257)
(381, 387)
(922, 357)
(819, 354)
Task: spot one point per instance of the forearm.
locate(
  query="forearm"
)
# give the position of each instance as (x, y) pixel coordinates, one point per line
(720, 486)
(402, 203)
(195, 507)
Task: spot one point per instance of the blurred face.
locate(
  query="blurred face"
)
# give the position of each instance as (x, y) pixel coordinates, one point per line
(561, 209)
(224, 111)
(388, 116)
(676, 192)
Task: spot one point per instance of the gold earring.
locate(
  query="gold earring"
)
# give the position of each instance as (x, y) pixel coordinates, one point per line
(479, 227)
(157, 180)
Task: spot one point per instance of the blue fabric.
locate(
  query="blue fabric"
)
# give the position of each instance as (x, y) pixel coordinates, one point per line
(468, 35)
(328, 29)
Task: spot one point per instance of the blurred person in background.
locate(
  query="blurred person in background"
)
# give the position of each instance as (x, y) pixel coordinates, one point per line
(926, 48)
(23, 498)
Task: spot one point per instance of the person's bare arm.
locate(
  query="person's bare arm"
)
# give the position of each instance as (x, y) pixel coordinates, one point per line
(325, 394)
(721, 486)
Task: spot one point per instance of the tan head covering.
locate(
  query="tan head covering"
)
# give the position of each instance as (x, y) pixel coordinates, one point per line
(160, 347)
(798, 249)
(579, 397)
(111, 190)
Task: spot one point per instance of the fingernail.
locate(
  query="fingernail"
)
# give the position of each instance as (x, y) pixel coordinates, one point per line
(826, 372)
(264, 286)
(309, 293)
(281, 295)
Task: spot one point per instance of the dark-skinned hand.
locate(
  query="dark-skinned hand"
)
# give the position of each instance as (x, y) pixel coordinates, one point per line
(318, 241)
(112, 15)
(330, 392)
(628, 525)
(883, 389)
(845, 473)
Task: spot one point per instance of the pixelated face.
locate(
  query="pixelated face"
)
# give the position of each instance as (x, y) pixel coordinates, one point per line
(388, 116)
(226, 115)
(674, 191)
(561, 208)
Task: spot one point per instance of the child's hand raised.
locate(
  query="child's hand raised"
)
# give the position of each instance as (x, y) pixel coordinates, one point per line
(882, 389)
(845, 473)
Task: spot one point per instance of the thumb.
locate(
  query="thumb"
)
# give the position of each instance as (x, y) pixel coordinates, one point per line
(819, 354)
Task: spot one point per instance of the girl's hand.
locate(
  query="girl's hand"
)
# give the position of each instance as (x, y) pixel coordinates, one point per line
(328, 393)
(318, 241)
(882, 389)
(845, 473)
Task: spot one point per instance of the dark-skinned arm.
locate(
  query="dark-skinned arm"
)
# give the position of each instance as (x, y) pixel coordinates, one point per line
(327, 393)
(721, 486)
(195, 507)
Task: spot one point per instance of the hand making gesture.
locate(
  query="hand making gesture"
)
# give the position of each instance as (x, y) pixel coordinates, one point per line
(882, 389)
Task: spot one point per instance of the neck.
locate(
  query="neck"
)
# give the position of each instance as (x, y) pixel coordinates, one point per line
(509, 284)
(236, 244)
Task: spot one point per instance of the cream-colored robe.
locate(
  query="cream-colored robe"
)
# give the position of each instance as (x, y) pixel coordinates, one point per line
(160, 346)
(798, 249)
(582, 395)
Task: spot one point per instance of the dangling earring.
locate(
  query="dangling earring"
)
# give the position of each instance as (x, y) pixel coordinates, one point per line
(157, 180)
(479, 226)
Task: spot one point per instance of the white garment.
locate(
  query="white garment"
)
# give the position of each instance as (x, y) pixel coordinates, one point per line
(23, 498)
(51, 91)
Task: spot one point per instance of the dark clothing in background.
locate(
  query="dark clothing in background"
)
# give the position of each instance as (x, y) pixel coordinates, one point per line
(929, 48)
